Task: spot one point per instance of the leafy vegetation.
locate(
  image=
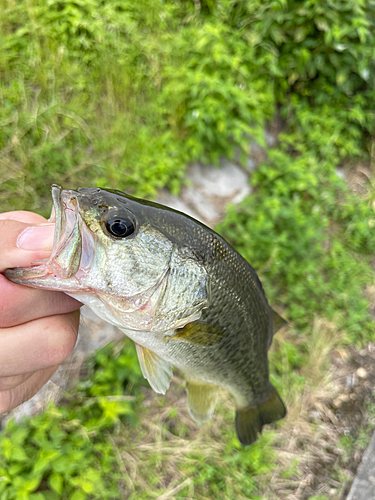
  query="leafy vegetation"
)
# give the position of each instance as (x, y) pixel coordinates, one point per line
(125, 94)
(67, 452)
(313, 260)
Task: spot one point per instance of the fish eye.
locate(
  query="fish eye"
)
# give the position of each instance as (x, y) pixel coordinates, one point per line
(120, 227)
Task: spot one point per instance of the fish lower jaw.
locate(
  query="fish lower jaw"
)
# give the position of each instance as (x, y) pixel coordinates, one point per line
(25, 275)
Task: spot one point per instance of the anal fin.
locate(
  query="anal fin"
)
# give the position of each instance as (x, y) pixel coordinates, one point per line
(158, 372)
(250, 420)
(201, 400)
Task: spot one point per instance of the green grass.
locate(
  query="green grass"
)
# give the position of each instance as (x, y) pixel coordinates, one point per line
(125, 94)
(79, 101)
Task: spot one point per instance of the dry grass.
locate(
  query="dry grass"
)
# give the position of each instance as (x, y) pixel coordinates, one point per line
(330, 407)
(167, 456)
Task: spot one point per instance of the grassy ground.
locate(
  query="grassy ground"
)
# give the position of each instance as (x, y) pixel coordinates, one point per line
(124, 94)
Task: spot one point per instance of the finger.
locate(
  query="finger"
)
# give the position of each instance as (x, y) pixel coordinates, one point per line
(38, 344)
(7, 383)
(19, 304)
(21, 244)
(23, 216)
(11, 398)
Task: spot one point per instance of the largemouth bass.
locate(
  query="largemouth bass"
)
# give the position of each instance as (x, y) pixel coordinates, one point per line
(175, 287)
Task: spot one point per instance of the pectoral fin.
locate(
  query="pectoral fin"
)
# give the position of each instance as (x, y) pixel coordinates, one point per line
(249, 421)
(201, 400)
(158, 372)
(199, 334)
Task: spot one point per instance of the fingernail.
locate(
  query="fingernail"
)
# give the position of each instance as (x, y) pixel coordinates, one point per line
(37, 237)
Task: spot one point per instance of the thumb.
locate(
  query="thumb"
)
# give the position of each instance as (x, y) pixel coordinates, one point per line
(21, 243)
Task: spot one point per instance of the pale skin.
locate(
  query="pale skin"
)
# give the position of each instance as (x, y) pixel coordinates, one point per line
(38, 328)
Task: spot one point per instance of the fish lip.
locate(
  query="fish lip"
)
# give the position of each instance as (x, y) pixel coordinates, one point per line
(56, 212)
(65, 211)
(61, 202)
(70, 225)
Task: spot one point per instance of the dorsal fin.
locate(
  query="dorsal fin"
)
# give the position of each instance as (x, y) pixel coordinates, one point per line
(278, 322)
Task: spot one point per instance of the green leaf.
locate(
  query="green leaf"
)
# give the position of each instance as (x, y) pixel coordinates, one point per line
(78, 495)
(56, 482)
(87, 486)
(31, 484)
(19, 455)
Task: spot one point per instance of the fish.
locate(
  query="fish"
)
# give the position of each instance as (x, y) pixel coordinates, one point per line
(175, 287)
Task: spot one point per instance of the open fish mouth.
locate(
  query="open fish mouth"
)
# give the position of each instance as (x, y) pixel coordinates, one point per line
(67, 249)
(73, 246)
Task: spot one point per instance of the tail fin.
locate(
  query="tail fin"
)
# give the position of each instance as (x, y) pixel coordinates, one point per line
(249, 421)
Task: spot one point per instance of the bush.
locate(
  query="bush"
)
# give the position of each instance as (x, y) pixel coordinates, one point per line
(67, 452)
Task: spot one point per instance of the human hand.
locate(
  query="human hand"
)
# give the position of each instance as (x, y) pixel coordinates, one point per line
(38, 328)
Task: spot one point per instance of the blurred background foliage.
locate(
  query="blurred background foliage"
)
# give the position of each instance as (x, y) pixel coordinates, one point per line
(125, 94)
